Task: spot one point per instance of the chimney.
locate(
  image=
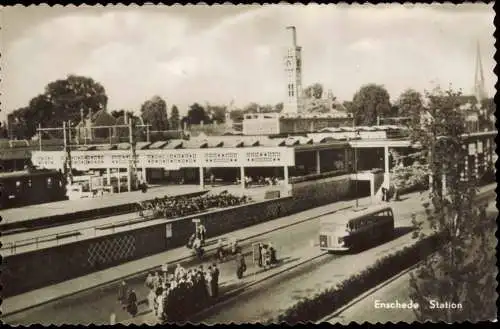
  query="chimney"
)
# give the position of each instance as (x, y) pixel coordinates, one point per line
(294, 35)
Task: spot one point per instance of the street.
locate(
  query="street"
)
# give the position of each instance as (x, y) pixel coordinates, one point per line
(389, 292)
(270, 298)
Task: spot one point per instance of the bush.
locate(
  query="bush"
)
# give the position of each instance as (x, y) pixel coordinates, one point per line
(324, 303)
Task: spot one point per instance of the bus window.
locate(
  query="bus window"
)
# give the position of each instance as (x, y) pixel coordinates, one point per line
(49, 182)
(18, 184)
(29, 183)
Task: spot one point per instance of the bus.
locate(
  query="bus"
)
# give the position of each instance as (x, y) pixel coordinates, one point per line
(356, 228)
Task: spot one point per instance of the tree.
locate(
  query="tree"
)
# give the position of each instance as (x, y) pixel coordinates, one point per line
(154, 113)
(251, 108)
(4, 133)
(278, 107)
(369, 102)
(410, 104)
(196, 115)
(118, 113)
(217, 112)
(174, 118)
(63, 100)
(314, 91)
(463, 268)
(73, 94)
(237, 115)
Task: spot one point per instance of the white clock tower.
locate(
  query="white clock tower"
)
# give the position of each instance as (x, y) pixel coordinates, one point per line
(293, 68)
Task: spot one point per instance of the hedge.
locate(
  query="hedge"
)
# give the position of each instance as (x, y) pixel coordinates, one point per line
(324, 303)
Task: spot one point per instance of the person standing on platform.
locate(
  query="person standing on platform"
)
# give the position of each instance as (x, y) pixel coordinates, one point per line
(208, 282)
(384, 194)
(215, 280)
(123, 293)
(164, 270)
(240, 265)
(161, 309)
(132, 303)
(151, 299)
(149, 281)
(260, 255)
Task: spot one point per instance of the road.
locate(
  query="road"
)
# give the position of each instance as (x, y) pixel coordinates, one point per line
(395, 289)
(267, 300)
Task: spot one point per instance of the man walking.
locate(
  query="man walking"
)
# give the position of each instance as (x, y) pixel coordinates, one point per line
(215, 280)
(123, 293)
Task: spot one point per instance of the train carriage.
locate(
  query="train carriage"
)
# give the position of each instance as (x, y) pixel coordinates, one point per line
(28, 187)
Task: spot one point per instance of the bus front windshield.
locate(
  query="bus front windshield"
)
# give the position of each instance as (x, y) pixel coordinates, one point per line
(333, 228)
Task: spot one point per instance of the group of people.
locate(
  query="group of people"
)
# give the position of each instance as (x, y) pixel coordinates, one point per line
(260, 180)
(267, 255)
(226, 248)
(197, 239)
(392, 192)
(174, 296)
(179, 206)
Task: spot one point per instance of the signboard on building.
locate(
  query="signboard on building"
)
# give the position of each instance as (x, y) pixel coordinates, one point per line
(472, 148)
(479, 147)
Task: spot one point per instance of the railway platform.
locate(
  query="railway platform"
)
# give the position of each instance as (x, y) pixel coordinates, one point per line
(37, 215)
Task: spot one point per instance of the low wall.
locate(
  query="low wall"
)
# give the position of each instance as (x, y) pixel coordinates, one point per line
(32, 270)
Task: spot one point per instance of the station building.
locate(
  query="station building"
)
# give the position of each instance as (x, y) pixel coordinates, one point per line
(366, 153)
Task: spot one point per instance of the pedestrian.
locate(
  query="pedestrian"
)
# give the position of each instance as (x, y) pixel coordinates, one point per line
(179, 272)
(155, 281)
(215, 280)
(159, 302)
(208, 282)
(272, 254)
(132, 303)
(260, 254)
(123, 293)
(149, 281)
(165, 306)
(151, 299)
(384, 194)
(240, 265)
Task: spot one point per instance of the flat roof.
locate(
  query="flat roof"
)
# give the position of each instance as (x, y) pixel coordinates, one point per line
(347, 215)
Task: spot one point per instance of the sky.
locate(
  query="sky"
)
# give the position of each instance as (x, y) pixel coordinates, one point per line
(216, 54)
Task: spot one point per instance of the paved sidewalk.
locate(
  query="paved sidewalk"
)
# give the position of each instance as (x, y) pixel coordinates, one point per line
(40, 296)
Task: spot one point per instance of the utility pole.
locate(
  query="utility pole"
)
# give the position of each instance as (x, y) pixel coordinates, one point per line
(355, 163)
(133, 158)
(67, 149)
(40, 136)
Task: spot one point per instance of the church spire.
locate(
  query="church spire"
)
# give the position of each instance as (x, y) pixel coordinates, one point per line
(479, 90)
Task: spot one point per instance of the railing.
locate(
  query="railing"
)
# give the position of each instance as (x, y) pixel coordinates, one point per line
(36, 242)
